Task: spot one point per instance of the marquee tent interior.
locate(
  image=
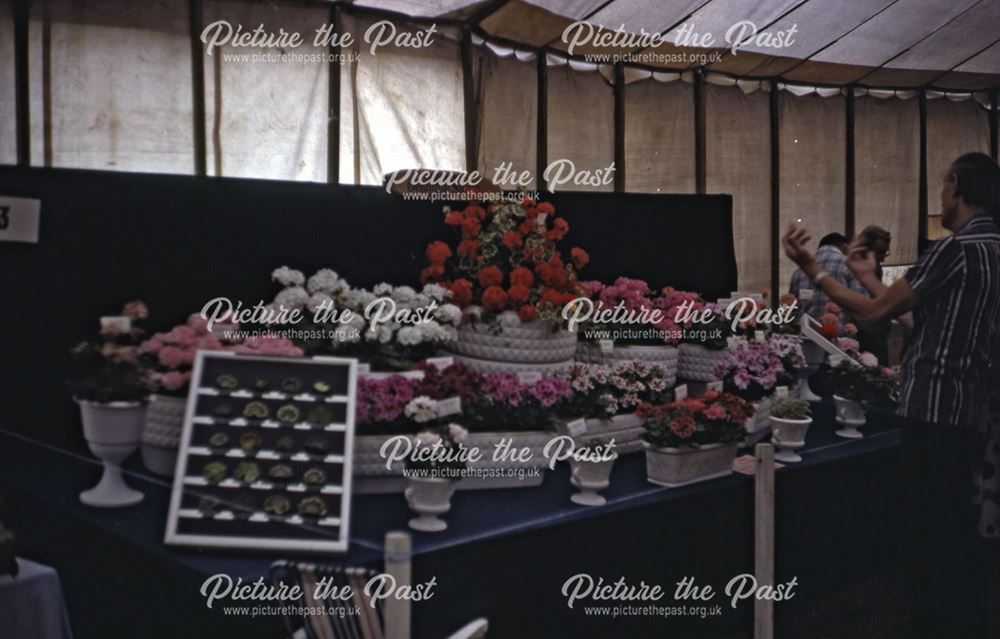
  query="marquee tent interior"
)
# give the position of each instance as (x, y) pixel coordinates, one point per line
(848, 124)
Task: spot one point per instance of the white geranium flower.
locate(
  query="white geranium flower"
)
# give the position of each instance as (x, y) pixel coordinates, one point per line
(509, 319)
(421, 409)
(868, 359)
(288, 277)
(426, 438)
(448, 314)
(436, 292)
(294, 297)
(323, 281)
(382, 289)
(404, 294)
(409, 336)
(457, 433)
(319, 300)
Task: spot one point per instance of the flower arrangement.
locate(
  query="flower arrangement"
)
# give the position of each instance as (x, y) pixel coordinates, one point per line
(862, 379)
(439, 452)
(168, 357)
(791, 408)
(106, 368)
(390, 327)
(600, 391)
(507, 259)
(712, 418)
(753, 368)
(653, 313)
(507, 403)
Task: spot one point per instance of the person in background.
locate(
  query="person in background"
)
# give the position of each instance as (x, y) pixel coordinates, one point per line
(832, 258)
(947, 372)
(874, 336)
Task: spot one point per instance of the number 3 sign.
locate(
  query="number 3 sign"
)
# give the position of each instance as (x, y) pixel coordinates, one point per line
(19, 219)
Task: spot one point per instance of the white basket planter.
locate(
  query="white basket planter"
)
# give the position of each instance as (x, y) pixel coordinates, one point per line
(759, 424)
(522, 343)
(626, 429)
(666, 357)
(674, 467)
(492, 366)
(372, 476)
(697, 363)
(161, 433)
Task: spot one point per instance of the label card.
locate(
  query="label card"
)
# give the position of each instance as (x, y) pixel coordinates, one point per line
(781, 391)
(716, 385)
(119, 324)
(836, 359)
(19, 218)
(440, 362)
(364, 368)
(758, 336)
(529, 377)
(681, 392)
(577, 427)
(606, 345)
(449, 406)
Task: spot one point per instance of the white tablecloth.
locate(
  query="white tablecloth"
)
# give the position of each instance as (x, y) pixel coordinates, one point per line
(31, 604)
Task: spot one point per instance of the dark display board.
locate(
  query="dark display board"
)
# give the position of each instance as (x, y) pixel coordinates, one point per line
(265, 455)
(178, 241)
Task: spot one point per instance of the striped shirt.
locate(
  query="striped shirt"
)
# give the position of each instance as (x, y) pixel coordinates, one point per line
(830, 259)
(956, 327)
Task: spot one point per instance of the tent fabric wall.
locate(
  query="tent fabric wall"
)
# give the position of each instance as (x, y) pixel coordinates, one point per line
(737, 157)
(577, 102)
(953, 128)
(507, 113)
(8, 132)
(110, 85)
(266, 118)
(887, 171)
(659, 137)
(812, 186)
(407, 107)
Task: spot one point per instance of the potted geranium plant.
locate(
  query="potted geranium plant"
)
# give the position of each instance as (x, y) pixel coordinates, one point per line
(859, 382)
(433, 467)
(605, 399)
(790, 420)
(168, 359)
(109, 386)
(511, 279)
(693, 439)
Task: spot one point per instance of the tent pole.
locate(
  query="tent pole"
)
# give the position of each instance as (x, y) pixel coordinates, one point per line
(23, 113)
(471, 108)
(700, 158)
(541, 143)
(619, 128)
(333, 102)
(775, 192)
(922, 196)
(849, 204)
(994, 105)
(198, 87)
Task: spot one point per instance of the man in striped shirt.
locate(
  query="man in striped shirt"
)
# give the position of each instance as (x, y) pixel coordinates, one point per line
(954, 292)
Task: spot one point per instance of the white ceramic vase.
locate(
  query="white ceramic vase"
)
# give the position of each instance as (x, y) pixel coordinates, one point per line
(589, 477)
(850, 415)
(789, 435)
(161, 434)
(429, 497)
(112, 432)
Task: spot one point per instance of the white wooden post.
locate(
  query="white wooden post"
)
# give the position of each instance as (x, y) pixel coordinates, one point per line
(763, 610)
(398, 551)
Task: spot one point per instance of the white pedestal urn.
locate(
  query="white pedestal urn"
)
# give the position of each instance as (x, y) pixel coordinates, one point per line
(789, 435)
(850, 415)
(814, 356)
(112, 432)
(589, 477)
(161, 433)
(429, 497)
(512, 346)
(673, 467)
(697, 363)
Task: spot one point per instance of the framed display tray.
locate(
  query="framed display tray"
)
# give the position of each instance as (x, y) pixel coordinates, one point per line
(265, 454)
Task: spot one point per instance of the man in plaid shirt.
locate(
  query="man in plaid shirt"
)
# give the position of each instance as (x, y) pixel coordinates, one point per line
(831, 257)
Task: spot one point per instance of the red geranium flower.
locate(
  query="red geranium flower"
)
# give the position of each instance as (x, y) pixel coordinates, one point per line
(518, 293)
(494, 299)
(467, 248)
(546, 207)
(580, 257)
(453, 218)
(512, 240)
(461, 291)
(431, 273)
(526, 313)
(490, 276)
(522, 276)
(438, 252)
(470, 227)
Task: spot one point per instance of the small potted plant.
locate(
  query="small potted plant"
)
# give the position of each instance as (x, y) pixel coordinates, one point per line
(433, 467)
(790, 420)
(590, 471)
(109, 385)
(693, 439)
(859, 382)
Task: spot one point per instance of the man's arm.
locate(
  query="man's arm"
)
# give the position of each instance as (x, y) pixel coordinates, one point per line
(890, 302)
(862, 264)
